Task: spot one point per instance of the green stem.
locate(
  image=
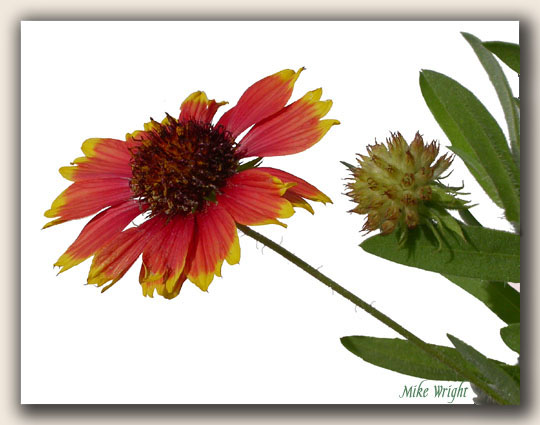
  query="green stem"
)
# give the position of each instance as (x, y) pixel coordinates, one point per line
(369, 309)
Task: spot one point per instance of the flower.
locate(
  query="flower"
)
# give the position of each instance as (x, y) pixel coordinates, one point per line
(186, 177)
(398, 187)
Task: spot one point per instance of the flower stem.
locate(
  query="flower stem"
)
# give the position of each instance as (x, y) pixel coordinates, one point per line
(467, 375)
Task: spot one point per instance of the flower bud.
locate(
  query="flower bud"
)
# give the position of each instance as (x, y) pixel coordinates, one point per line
(398, 185)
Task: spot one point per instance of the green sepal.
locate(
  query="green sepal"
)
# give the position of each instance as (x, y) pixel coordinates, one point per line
(444, 218)
(349, 166)
(468, 218)
(250, 164)
(212, 197)
(445, 197)
(403, 232)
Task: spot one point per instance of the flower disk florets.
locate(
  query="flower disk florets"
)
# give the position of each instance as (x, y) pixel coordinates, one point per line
(181, 165)
(397, 185)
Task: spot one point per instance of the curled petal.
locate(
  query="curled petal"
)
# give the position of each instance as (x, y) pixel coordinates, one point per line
(254, 197)
(298, 202)
(216, 240)
(301, 188)
(159, 286)
(98, 232)
(87, 197)
(164, 257)
(292, 130)
(262, 99)
(197, 107)
(113, 260)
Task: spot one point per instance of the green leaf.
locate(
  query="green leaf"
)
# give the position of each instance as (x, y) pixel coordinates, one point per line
(507, 52)
(510, 336)
(404, 357)
(475, 134)
(499, 297)
(513, 371)
(502, 383)
(504, 92)
(479, 172)
(486, 254)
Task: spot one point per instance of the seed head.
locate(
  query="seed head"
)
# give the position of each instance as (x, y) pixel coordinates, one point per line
(398, 186)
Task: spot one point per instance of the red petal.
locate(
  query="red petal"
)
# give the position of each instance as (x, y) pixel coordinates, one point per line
(292, 130)
(113, 260)
(94, 168)
(197, 107)
(87, 197)
(134, 139)
(104, 158)
(216, 240)
(111, 150)
(262, 99)
(255, 197)
(98, 232)
(164, 257)
(301, 188)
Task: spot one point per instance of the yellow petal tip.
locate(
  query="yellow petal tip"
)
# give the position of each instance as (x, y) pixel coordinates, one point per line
(67, 172)
(233, 256)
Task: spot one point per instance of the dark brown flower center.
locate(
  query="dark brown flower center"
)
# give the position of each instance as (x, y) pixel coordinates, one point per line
(182, 166)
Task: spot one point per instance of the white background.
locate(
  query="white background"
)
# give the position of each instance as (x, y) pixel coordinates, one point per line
(266, 332)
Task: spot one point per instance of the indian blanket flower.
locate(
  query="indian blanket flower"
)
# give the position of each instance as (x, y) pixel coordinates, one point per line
(188, 179)
(398, 187)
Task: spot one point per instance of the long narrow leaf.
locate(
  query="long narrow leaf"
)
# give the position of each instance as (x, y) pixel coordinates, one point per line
(404, 357)
(472, 130)
(507, 52)
(514, 371)
(499, 297)
(511, 336)
(479, 172)
(486, 254)
(502, 383)
(504, 92)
